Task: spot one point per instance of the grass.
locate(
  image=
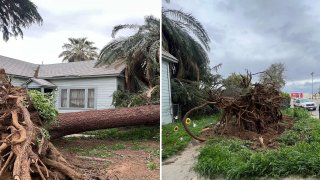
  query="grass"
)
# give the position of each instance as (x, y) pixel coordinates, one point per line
(101, 151)
(298, 155)
(136, 135)
(175, 141)
(126, 134)
(152, 165)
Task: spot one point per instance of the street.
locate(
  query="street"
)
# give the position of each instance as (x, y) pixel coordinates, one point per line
(314, 113)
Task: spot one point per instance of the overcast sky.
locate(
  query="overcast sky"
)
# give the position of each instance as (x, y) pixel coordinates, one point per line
(62, 19)
(252, 34)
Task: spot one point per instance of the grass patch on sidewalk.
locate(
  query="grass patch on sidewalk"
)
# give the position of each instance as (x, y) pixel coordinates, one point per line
(298, 154)
(174, 141)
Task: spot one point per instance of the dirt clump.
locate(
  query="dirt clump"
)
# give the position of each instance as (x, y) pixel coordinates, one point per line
(269, 137)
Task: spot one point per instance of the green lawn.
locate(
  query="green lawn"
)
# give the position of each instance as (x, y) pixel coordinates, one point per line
(175, 141)
(127, 133)
(298, 155)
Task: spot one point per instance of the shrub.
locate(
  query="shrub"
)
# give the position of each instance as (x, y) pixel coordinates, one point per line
(286, 100)
(123, 98)
(44, 104)
(189, 95)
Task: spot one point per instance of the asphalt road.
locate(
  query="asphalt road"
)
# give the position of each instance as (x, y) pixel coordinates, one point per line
(316, 112)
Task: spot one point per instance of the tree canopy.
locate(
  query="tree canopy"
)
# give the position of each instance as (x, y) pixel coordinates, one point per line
(274, 74)
(79, 49)
(140, 52)
(16, 15)
(184, 37)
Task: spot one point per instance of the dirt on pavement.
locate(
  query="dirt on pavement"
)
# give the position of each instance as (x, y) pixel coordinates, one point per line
(129, 163)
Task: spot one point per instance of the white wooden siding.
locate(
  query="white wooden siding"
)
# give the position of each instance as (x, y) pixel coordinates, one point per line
(166, 103)
(104, 88)
(18, 81)
(33, 85)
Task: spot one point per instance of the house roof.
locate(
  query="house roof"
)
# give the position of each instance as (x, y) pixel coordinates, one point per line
(80, 69)
(60, 70)
(167, 56)
(41, 82)
(17, 67)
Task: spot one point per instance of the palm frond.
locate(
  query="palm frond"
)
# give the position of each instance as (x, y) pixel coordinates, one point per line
(123, 26)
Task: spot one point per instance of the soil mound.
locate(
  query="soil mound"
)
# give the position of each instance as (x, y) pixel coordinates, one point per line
(267, 138)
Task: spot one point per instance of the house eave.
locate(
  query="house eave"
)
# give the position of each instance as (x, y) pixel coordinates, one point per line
(169, 58)
(18, 76)
(82, 76)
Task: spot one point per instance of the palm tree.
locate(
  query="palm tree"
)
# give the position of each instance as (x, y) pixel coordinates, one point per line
(79, 49)
(140, 52)
(185, 38)
(15, 15)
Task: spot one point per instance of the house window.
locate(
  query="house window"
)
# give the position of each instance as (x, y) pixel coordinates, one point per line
(90, 98)
(64, 97)
(77, 98)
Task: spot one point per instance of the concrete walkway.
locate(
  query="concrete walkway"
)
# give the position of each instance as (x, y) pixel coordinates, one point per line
(180, 167)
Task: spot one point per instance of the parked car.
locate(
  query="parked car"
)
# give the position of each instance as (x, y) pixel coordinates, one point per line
(305, 103)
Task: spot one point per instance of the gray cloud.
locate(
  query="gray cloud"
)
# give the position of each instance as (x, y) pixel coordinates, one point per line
(252, 34)
(66, 21)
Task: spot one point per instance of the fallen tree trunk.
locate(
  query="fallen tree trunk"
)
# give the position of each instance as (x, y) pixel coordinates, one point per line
(77, 122)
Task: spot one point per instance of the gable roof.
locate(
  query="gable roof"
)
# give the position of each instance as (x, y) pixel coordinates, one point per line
(39, 82)
(17, 67)
(80, 69)
(60, 70)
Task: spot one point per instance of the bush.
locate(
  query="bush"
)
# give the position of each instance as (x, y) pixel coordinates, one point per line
(44, 104)
(123, 98)
(286, 100)
(190, 95)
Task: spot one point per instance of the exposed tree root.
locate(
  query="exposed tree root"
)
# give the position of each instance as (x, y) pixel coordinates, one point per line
(25, 153)
(258, 107)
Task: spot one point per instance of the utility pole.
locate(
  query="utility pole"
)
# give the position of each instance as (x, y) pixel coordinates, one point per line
(312, 84)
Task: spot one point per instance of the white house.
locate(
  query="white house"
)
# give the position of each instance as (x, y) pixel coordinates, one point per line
(166, 102)
(77, 86)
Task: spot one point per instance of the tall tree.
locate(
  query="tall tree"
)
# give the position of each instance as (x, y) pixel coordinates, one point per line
(140, 52)
(16, 15)
(274, 74)
(185, 38)
(79, 49)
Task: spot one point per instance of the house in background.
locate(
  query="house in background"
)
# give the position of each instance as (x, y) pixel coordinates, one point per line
(77, 86)
(166, 101)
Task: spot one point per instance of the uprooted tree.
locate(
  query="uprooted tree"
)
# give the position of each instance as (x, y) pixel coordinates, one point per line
(254, 108)
(26, 151)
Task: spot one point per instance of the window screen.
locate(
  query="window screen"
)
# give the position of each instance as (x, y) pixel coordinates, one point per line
(77, 98)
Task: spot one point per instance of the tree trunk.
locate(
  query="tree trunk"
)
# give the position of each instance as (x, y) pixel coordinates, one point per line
(77, 122)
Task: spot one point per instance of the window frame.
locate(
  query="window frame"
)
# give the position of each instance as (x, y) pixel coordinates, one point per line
(68, 88)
